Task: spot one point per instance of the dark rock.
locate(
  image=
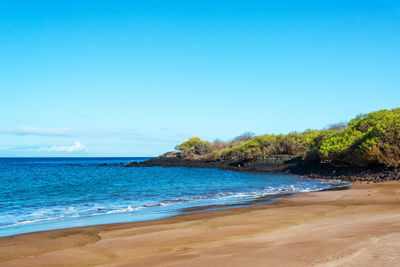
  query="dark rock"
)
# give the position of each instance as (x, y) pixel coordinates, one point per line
(278, 164)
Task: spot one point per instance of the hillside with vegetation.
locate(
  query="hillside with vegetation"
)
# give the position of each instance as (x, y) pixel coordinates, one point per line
(365, 149)
(368, 140)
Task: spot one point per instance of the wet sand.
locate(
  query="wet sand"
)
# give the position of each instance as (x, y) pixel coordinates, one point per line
(355, 227)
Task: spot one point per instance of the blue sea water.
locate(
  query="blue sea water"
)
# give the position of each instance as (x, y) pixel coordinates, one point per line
(39, 194)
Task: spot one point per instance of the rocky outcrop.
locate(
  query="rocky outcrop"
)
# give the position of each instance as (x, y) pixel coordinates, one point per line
(276, 164)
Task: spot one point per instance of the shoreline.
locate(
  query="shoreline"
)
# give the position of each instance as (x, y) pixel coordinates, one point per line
(300, 229)
(239, 203)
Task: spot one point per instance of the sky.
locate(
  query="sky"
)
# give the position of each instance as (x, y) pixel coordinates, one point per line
(135, 78)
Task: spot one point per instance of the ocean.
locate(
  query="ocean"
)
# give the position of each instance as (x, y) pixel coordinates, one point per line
(38, 194)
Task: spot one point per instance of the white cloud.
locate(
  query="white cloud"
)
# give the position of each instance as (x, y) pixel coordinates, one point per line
(23, 130)
(162, 135)
(76, 147)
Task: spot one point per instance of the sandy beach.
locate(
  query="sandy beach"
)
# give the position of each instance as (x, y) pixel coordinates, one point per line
(355, 227)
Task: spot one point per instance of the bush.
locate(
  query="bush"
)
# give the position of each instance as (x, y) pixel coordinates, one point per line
(219, 145)
(372, 138)
(194, 146)
(215, 154)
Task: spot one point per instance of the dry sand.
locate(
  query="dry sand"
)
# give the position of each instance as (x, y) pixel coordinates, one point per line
(356, 227)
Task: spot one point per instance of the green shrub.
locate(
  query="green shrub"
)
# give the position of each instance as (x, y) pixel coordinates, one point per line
(194, 146)
(372, 138)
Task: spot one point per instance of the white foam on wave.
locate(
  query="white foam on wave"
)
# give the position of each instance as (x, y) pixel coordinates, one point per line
(96, 210)
(34, 221)
(128, 209)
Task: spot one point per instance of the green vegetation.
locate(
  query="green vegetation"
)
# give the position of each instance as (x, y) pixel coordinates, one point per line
(368, 139)
(194, 146)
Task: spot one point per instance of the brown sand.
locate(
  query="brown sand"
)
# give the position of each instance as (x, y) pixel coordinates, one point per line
(356, 227)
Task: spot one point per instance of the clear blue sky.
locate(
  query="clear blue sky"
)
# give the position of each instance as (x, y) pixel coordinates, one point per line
(134, 78)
